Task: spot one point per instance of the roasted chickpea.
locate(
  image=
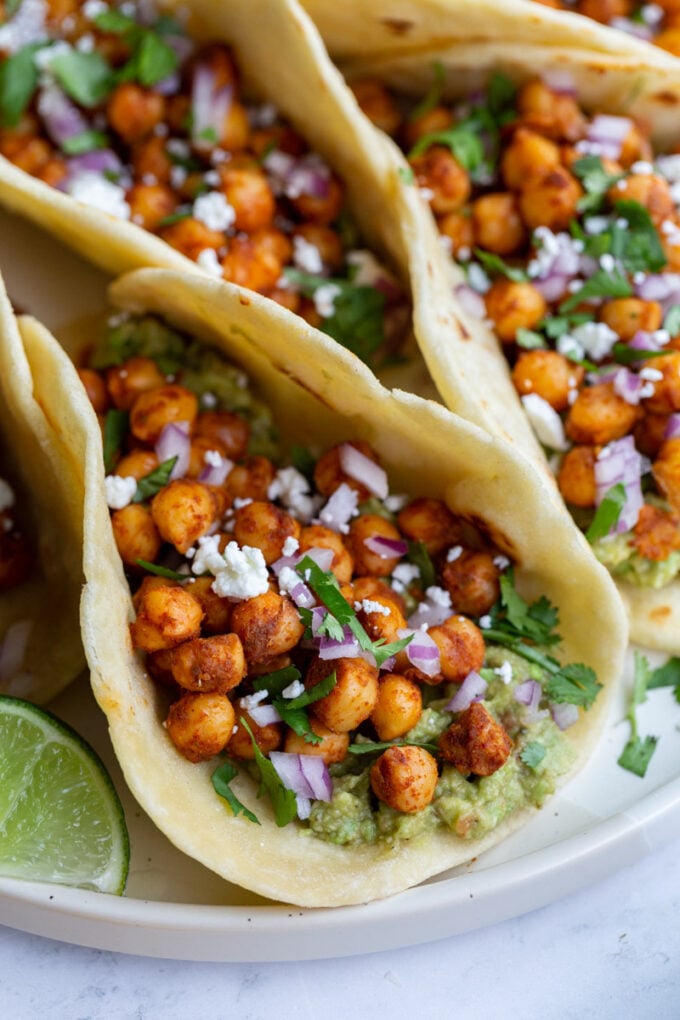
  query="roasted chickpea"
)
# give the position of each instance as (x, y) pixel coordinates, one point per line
(251, 480)
(666, 396)
(549, 374)
(252, 262)
(136, 534)
(461, 647)
(380, 617)
(150, 204)
(153, 409)
(650, 433)
(267, 625)
(605, 10)
(329, 474)
(628, 315)
(200, 725)
(216, 609)
(431, 522)
(364, 530)
(27, 153)
(472, 581)
(323, 209)
(200, 447)
(136, 375)
(669, 40)
(230, 430)
(476, 743)
(137, 464)
(497, 223)
(528, 158)
(405, 778)
(95, 388)
(514, 306)
(191, 236)
(266, 527)
(551, 113)
(150, 159)
(166, 616)
(399, 706)
(352, 699)
(235, 130)
(439, 118)
(576, 476)
(599, 415)
(332, 746)
(268, 738)
(248, 192)
(315, 536)
(133, 112)
(666, 471)
(184, 511)
(376, 588)
(439, 172)
(377, 103)
(149, 582)
(657, 532)
(459, 229)
(212, 664)
(552, 201)
(649, 190)
(327, 242)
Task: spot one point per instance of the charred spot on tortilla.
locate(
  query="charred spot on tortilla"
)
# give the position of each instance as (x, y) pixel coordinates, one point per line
(398, 26)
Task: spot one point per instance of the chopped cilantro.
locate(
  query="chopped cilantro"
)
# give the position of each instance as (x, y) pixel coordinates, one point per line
(115, 429)
(176, 217)
(406, 175)
(86, 141)
(601, 284)
(283, 800)
(461, 139)
(434, 94)
(221, 778)
(146, 337)
(152, 483)
(292, 710)
(623, 354)
(420, 558)
(595, 180)
(159, 571)
(636, 246)
(574, 684)
(114, 22)
(637, 754)
(371, 747)
(303, 459)
(18, 81)
(536, 621)
(530, 340)
(152, 59)
(85, 77)
(607, 513)
(556, 326)
(667, 675)
(533, 753)
(671, 323)
(495, 264)
(638, 751)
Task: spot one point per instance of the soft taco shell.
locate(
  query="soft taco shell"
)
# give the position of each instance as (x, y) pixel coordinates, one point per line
(319, 393)
(39, 465)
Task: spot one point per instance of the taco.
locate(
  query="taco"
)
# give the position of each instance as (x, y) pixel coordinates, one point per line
(41, 495)
(268, 664)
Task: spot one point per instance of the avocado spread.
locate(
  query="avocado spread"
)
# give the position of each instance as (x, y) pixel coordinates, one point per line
(618, 553)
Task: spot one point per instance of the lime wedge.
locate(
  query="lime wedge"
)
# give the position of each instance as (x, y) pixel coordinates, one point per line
(60, 817)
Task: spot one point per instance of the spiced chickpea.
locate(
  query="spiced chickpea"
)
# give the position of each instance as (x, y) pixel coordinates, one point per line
(405, 778)
(191, 236)
(380, 617)
(461, 647)
(332, 747)
(27, 153)
(268, 737)
(153, 409)
(438, 171)
(605, 10)
(649, 190)
(250, 262)
(327, 242)
(150, 159)
(133, 112)
(329, 474)
(376, 588)
(656, 533)
(549, 374)
(628, 315)
(472, 581)
(365, 530)
(230, 430)
(200, 451)
(266, 527)
(553, 114)
(512, 306)
(150, 204)
(216, 609)
(149, 582)
(316, 536)
(135, 534)
(137, 464)
(666, 471)
(398, 708)
(323, 209)
(184, 511)
(552, 201)
(248, 192)
(439, 118)
(635, 146)
(650, 433)
(377, 103)
(576, 476)
(200, 725)
(666, 396)
(352, 699)
(528, 158)
(476, 743)
(211, 664)
(497, 224)
(669, 40)
(126, 381)
(431, 522)
(95, 387)
(599, 415)
(251, 480)
(157, 665)
(166, 616)
(459, 229)
(267, 625)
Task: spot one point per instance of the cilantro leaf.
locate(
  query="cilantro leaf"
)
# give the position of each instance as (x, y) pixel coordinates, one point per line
(18, 81)
(159, 571)
(607, 513)
(155, 60)
(282, 799)
(152, 483)
(221, 778)
(495, 264)
(85, 77)
(377, 747)
(464, 143)
(276, 681)
(536, 621)
(530, 340)
(626, 355)
(574, 684)
(671, 323)
(86, 141)
(420, 558)
(434, 94)
(533, 753)
(638, 752)
(292, 710)
(601, 284)
(115, 22)
(115, 430)
(637, 755)
(303, 459)
(638, 247)
(595, 180)
(667, 675)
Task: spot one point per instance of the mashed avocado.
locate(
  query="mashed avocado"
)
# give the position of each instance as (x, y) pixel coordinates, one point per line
(619, 555)
(469, 807)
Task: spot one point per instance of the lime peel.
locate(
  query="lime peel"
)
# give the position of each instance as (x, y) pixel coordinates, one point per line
(60, 817)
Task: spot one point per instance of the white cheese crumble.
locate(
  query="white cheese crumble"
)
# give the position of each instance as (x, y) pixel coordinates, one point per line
(95, 190)
(43, 58)
(213, 458)
(501, 561)
(26, 27)
(91, 9)
(214, 211)
(253, 700)
(240, 573)
(291, 488)
(290, 546)
(551, 248)
(403, 575)
(439, 596)
(370, 606)
(504, 671)
(395, 502)
(208, 261)
(545, 421)
(324, 299)
(6, 495)
(454, 552)
(293, 690)
(119, 491)
(306, 255)
(477, 278)
(594, 339)
(485, 622)
(669, 167)
(642, 167)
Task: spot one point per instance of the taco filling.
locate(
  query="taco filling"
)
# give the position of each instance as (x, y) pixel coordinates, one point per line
(365, 656)
(654, 22)
(567, 227)
(116, 106)
(16, 556)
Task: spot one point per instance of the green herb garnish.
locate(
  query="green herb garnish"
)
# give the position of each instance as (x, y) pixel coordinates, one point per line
(671, 323)
(115, 430)
(292, 710)
(495, 264)
(595, 180)
(18, 81)
(156, 480)
(638, 752)
(86, 141)
(85, 77)
(159, 571)
(375, 747)
(433, 96)
(283, 800)
(574, 684)
(420, 558)
(603, 283)
(607, 513)
(533, 753)
(221, 778)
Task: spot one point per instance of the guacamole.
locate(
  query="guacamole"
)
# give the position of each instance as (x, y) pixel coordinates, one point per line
(619, 555)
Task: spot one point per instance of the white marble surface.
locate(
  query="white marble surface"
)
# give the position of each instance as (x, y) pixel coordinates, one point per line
(611, 951)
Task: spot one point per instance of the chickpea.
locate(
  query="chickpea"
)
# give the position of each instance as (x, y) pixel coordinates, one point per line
(157, 665)
(666, 396)
(95, 387)
(251, 480)
(184, 511)
(125, 382)
(166, 616)
(497, 223)
(649, 190)
(268, 625)
(669, 40)
(550, 113)
(315, 536)
(650, 433)
(153, 409)
(190, 237)
(514, 306)
(605, 10)
(576, 476)
(415, 128)
(322, 209)
(459, 229)
(230, 430)
(381, 618)
(150, 204)
(362, 530)
(405, 778)
(200, 725)
(53, 171)
(200, 446)
(599, 415)
(251, 263)
(666, 471)
(399, 706)
(352, 699)
(549, 374)
(476, 743)
(472, 581)
(248, 192)
(149, 582)
(656, 533)
(268, 738)
(136, 535)
(235, 130)
(28, 154)
(329, 474)
(528, 158)
(431, 522)
(332, 746)
(438, 171)
(635, 146)
(213, 664)
(150, 159)
(377, 103)
(551, 202)
(461, 647)
(628, 315)
(266, 527)
(133, 112)
(327, 242)
(670, 245)
(216, 609)
(137, 464)
(376, 588)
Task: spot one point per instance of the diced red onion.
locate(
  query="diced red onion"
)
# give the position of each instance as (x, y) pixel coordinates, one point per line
(628, 385)
(386, 548)
(609, 133)
(264, 715)
(473, 688)
(181, 45)
(13, 648)
(216, 474)
(620, 462)
(99, 161)
(470, 301)
(364, 470)
(564, 715)
(422, 652)
(62, 119)
(169, 86)
(340, 508)
(559, 80)
(293, 177)
(302, 596)
(322, 557)
(672, 430)
(318, 616)
(658, 287)
(306, 775)
(529, 694)
(636, 28)
(348, 648)
(210, 106)
(174, 442)
(642, 340)
(553, 286)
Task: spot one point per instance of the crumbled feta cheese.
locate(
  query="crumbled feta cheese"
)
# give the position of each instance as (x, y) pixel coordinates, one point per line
(44, 57)
(341, 507)
(395, 502)
(501, 561)
(91, 9)
(371, 606)
(642, 167)
(403, 575)
(464, 254)
(426, 193)
(324, 299)
(650, 374)
(95, 190)
(178, 176)
(594, 339)
(485, 622)
(292, 489)
(293, 690)
(240, 501)
(214, 211)
(212, 178)
(454, 552)
(545, 421)
(652, 14)
(253, 700)
(504, 671)
(595, 224)
(290, 546)
(240, 573)
(551, 248)
(288, 580)
(607, 262)
(86, 43)
(671, 232)
(669, 167)
(213, 458)
(306, 255)
(208, 401)
(26, 27)
(209, 262)
(477, 278)
(119, 491)
(439, 596)
(6, 495)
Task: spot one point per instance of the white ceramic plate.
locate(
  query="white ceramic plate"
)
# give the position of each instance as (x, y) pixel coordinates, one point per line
(605, 818)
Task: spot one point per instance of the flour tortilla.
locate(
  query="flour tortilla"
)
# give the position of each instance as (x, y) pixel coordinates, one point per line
(39, 465)
(319, 394)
